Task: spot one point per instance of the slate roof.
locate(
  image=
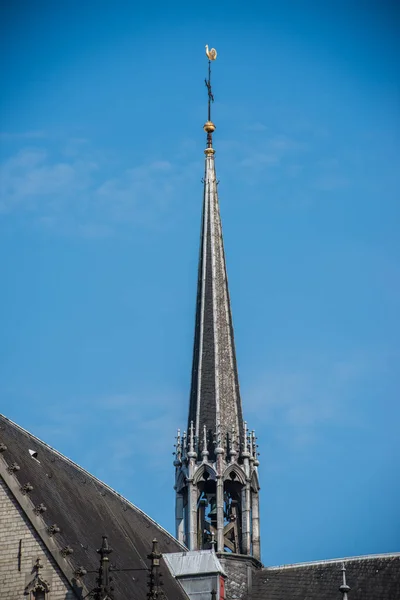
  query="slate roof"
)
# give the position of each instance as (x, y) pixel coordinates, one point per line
(214, 396)
(369, 577)
(84, 509)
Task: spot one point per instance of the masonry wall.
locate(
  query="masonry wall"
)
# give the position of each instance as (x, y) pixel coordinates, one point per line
(239, 570)
(16, 572)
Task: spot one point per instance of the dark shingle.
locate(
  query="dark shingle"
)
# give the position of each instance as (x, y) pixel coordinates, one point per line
(370, 578)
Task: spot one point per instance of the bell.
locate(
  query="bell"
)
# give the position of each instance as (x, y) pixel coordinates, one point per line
(213, 508)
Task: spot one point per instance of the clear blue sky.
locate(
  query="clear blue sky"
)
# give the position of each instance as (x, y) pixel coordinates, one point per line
(101, 164)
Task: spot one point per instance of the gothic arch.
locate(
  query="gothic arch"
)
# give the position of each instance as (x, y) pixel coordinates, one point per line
(240, 476)
(202, 470)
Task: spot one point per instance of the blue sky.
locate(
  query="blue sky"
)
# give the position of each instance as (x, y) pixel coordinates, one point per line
(101, 165)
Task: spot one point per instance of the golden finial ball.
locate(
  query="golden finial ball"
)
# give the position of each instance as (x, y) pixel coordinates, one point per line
(209, 127)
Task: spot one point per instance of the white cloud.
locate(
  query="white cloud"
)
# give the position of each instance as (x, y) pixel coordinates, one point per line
(141, 428)
(330, 183)
(257, 127)
(260, 160)
(285, 143)
(318, 392)
(30, 179)
(77, 191)
(271, 151)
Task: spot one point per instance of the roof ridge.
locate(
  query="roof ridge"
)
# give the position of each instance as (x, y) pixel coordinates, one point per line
(96, 479)
(333, 560)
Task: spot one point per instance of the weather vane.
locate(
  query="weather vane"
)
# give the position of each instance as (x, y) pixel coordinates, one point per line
(211, 55)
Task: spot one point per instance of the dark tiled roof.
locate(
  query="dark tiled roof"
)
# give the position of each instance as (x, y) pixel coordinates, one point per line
(85, 509)
(369, 577)
(214, 355)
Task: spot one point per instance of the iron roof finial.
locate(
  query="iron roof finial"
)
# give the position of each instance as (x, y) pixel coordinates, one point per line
(344, 588)
(104, 588)
(155, 576)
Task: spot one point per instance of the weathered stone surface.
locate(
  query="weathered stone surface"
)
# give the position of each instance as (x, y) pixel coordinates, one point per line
(214, 398)
(239, 570)
(20, 547)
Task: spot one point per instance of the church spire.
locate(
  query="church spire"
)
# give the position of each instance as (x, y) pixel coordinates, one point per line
(216, 479)
(214, 398)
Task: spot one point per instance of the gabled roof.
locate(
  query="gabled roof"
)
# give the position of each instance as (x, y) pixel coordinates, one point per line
(84, 509)
(214, 397)
(374, 577)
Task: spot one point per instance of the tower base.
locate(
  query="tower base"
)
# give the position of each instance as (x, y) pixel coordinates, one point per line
(239, 569)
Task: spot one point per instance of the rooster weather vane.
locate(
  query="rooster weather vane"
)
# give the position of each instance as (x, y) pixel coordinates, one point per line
(211, 55)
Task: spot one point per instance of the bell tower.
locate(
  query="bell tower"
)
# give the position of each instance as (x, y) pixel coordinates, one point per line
(216, 459)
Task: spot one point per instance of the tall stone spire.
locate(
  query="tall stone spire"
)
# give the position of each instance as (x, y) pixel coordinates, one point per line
(216, 462)
(214, 397)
